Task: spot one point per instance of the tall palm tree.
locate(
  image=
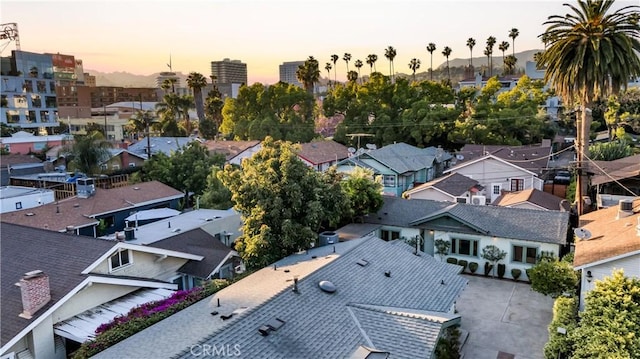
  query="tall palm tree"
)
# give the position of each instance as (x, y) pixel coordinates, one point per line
(328, 67)
(169, 83)
(446, 52)
(589, 57)
(491, 41)
(487, 53)
(510, 64)
(347, 58)
(197, 82)
(414, 65)
(334, 59)
(431, 48)
(87, 152)
(371, 60)
(504, 46)
(352, 76)
(168, 110)
(471, 42)
(358, 64)
(390, 54)
(308, 73)
(513, 34)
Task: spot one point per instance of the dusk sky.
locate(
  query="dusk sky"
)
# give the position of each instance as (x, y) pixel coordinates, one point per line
(139, 36)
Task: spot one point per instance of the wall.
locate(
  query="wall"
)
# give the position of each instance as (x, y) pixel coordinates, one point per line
(599, 272)
(145, 265)
(432, 194)
(30, 200)
(232, 224)
(248, 153)
(88, 298)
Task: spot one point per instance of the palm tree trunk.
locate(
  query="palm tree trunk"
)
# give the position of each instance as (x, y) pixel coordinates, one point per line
(583, 126)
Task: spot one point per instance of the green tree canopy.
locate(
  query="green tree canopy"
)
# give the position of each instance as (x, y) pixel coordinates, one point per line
(87, 152)
(553, 277)
(363, 191)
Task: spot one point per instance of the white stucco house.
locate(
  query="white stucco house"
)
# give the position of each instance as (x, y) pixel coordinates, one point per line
(608, 239)
(522, 233)
(15, 198)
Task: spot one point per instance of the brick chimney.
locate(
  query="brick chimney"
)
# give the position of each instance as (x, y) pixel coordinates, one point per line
(34, 287)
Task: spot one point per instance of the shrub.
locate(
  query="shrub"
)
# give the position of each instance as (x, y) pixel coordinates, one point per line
(452, 260)
(515, 273)
(463, 263)
(473, 267)
(501, 269)
(487, 268)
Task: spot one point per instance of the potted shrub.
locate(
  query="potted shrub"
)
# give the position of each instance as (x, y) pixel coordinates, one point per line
(452, 260)
(515, 273)
(501, 269)
(463, 263)
(487, 268)
(473, 267)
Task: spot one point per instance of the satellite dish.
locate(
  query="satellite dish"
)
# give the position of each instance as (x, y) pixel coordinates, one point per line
(371, 146)
(351, 150)
(582, 233)
(459, 157)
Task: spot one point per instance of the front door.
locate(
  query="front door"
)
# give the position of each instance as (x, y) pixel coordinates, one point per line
(496, 190)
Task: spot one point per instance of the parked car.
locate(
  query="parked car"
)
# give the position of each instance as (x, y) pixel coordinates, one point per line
(562, 177)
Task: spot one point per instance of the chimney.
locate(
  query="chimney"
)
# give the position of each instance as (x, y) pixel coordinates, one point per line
(625, 208)
(34, 287)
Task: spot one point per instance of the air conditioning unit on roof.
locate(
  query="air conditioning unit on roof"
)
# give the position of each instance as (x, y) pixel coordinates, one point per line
(479, 200)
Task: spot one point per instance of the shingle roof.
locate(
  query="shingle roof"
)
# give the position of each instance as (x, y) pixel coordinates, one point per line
(534, 196)
(17, 159)
(318, 152)
(321, 325)
(77, 212)
(622, 168)
(402, 158)
(198, 242)
(503, 222)
(610, 236)
(165, 145)
(62, 257)
(454, 184)
(533, 158)
(230, 149)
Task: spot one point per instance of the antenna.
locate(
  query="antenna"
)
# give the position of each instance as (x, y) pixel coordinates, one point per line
(582, 233)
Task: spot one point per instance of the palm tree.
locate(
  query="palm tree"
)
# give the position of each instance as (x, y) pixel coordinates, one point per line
(168, 110)
(589, 57)
(471, 42)
(431, 48)
(142, 121)
(414, 65)
(347, 58)
(358, 64)
(513, 34)
(334, 59)
(390, 54)
(352, 76)
(169, 83)
(487, 53)
(504, 46)
(328, 68)
(87, 152)
(446, 52)
(510, 64)
(491, 41)
(197, 82)
(308, 73)
(371, 60)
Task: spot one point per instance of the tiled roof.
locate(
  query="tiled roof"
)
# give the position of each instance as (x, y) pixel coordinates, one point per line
(402, 158)
(534, 196)
(368, 308)
(503, 222)
(198, 242)
(230, 149)
(78, 212)
(454, 184)
(62, 257)
(610, 236)
(319, 152)
(622, 168)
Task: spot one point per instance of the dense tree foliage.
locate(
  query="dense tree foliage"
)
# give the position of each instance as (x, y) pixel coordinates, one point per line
(216, 195)
(87, 152)
(364, 192)
(609, 151)
(213, 106)
(609, 324)
(281, 111)
(553, 277)
(565, 316)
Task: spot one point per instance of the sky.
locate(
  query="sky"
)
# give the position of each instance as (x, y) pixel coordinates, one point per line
(139, 36)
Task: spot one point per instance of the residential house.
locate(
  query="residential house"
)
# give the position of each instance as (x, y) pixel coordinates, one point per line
(24, 143)
(66, 282)
(83, 212)
(18, 165)
(532, 199)
(522, 233)
(234, 151)
(453, 187)
(121, 158)
(479, 82)
(400, 165)
(320, 155)
(165, 145)
(15, 198)
(495, 175)
(364, 296)
(535, 158)
(615, 180)
(608, 239)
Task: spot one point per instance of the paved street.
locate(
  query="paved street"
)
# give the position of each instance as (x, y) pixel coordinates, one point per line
(503, 316)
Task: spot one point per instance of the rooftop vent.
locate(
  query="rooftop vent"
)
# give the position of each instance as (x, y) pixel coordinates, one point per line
(327, 286)
(271, 326)
(625, 209)
(29, 214)
(362, 262)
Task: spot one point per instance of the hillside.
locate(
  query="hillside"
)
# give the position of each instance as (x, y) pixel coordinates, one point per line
(127, 79)
(478, 61)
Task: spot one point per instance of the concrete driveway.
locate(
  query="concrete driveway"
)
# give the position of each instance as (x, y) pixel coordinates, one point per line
(503, 319)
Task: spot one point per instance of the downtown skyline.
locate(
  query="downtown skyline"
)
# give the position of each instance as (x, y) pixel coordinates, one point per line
(141, 36)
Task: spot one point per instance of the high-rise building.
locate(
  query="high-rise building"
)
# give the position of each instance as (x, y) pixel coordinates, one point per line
(107, 95)
(28, 91)
(68, 73)
(167, 75)
(288, 72)
(229, 76)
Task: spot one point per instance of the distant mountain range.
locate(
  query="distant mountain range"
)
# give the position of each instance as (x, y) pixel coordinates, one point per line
(127, 79)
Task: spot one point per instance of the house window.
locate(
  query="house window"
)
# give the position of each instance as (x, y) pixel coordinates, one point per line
(389, 180)
(466, 247)
(120, 259)
(496, 189)
(388, 235)
(103, 167)
(524, 254)
(115, 167)
(517, 184)
(18, 205)
(132, 164)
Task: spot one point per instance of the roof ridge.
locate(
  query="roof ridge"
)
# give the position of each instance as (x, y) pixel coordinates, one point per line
(392, 311)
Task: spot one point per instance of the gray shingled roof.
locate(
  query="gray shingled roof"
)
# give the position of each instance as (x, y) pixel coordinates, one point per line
(165, 145)
(199, 242)
(454, 184)
(503, 222)
(368, 308)
(63, 257)
(402, 158)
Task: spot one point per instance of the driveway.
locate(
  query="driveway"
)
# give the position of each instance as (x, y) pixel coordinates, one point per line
(503, 319)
